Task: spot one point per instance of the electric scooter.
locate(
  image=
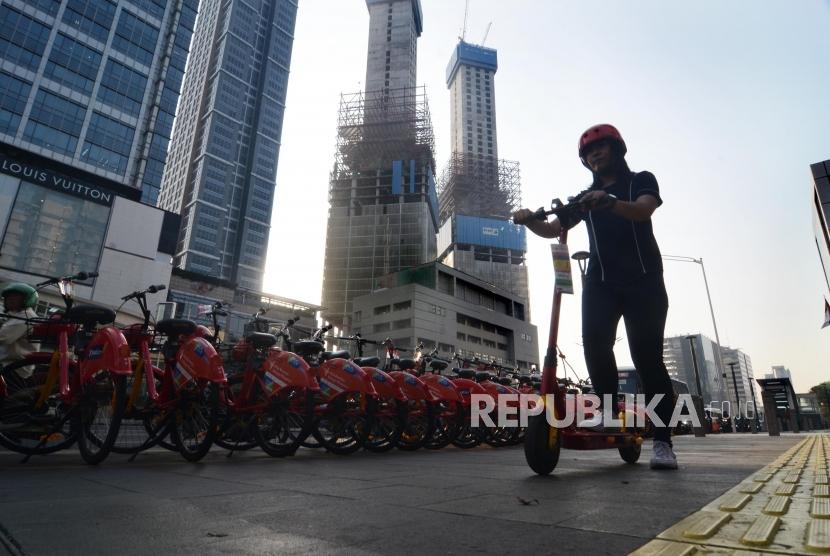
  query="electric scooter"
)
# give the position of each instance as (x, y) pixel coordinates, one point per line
(543, 441)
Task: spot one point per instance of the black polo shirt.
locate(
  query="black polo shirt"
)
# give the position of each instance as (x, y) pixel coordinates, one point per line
(623, 250)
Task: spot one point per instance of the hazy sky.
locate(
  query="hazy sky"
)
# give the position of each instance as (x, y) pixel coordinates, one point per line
(725, 102)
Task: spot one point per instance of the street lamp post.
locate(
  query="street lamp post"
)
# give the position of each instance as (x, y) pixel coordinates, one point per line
(719, 359)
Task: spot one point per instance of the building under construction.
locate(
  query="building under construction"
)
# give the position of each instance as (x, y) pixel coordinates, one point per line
(479, 191)
(383, 207)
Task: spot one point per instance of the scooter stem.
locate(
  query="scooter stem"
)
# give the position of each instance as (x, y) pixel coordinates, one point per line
(549, 385)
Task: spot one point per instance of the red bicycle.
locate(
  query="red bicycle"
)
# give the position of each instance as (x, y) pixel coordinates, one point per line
(181, 399)
(76, 392)
(269, 400)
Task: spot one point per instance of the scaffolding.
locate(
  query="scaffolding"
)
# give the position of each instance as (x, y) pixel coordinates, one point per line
(479, 185)
(377, 127)
(383, 209)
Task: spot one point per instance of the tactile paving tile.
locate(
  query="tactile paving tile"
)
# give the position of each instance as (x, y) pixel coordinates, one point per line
(783, 508)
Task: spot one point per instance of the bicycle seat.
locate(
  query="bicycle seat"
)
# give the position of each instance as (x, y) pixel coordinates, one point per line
(173, 328)
(469, 374)
(505, 381)
(90, 315)
(481, 376)
(261, 340)
(438, 364)
(326, 355)
(404, 364)
(366, 361)
(304, 348)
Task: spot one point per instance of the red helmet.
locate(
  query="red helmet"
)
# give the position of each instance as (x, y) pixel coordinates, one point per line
(597, 133)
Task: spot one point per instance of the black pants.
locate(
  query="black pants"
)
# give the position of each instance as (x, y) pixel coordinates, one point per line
(643, 305)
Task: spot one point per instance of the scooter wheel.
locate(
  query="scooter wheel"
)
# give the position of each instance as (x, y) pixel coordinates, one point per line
(630, 454)
(542, 445)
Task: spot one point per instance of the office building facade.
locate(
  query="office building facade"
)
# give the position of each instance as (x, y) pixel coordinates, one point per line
(223, 157)
(93, 84)
(90, 89)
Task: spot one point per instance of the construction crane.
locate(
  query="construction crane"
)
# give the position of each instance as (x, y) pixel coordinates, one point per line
(466, 12)
(487, 32)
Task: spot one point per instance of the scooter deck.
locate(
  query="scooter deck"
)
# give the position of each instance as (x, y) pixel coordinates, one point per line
(578, 440)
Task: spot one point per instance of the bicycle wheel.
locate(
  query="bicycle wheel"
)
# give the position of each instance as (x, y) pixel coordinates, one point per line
(345, 427)
(27, 426)
(418, 427)
(235, 432)
(447, 426)
(284, 427)
(98, 415)
(195, 420)
(386, 426)
(143, 425)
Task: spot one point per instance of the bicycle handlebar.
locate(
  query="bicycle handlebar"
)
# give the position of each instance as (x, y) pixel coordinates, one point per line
(81, 276)
(152, 289)
(557, 208)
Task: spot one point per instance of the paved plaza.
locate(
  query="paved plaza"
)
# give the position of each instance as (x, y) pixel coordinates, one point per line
(451, 501)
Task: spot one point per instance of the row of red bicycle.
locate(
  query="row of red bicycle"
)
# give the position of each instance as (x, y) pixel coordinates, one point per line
(174, 384)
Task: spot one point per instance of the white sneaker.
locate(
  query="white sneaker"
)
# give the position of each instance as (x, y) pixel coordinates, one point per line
(663, 457)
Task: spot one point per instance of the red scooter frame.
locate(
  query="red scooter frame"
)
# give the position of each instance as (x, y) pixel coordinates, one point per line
(543, 441)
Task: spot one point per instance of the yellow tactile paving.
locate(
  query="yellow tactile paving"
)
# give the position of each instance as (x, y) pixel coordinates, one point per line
(818, 535)
(783, 508)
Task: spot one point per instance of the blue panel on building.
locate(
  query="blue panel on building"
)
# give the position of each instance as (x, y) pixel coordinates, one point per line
(471, 55)
(397, 177)
(412, 176)
(489, 232)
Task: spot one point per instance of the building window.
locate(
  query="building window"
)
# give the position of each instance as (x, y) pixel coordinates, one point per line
(122, 88)
(135, 38)
(12, 102)
(402, 306)
(381, 327)
(461, 336)
(357, 316)
(382, 310)
(403, 323)
(93, 17)
(51, 233)
(73, 65)
(438, 310)
(22, 39)
(108, 143)
(55, 123)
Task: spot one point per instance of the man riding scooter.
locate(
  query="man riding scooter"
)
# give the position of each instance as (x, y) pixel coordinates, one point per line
(624, 278)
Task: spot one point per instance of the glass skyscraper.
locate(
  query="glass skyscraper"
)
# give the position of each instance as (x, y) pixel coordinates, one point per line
(94, 84)
(222, 166)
